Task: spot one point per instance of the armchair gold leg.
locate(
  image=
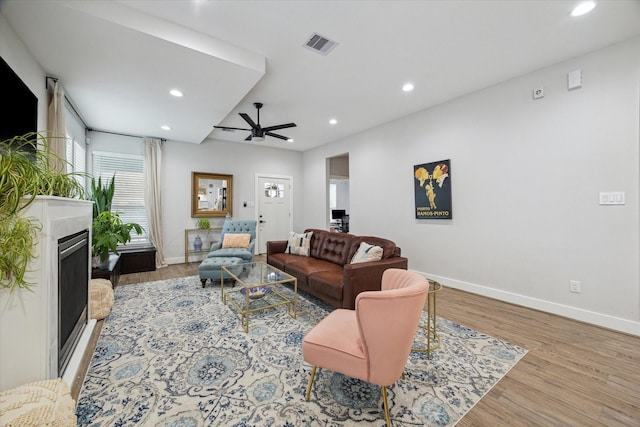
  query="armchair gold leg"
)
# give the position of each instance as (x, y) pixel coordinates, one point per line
(386, 406)
(313, 374)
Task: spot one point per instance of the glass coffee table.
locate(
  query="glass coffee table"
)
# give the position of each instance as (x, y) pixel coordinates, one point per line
(261, 287)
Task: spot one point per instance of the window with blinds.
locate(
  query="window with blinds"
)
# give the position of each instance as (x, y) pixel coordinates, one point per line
(76, 158)
(128, 198)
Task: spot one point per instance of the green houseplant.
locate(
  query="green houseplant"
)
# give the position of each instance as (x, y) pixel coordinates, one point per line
(204, 224)
(25, 174)
(108, 230)
(102, 195)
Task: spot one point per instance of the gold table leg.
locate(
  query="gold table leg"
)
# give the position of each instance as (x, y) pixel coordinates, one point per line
(433, 340)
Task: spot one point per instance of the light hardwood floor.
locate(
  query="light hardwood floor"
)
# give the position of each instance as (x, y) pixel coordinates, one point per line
(574, 374)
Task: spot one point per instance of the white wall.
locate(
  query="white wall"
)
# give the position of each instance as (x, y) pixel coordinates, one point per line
(179, 159)
(242, 161)
(525, 178)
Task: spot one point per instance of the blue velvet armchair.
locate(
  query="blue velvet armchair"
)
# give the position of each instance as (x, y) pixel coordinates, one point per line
(235, 227)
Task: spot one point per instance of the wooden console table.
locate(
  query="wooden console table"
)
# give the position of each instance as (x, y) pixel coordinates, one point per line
(110, 271)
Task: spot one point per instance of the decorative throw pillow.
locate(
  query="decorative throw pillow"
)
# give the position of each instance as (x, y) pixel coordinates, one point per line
(235, 240)
(299, 244)
(367, 252)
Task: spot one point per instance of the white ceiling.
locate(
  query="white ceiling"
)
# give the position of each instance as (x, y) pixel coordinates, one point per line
(118, 59)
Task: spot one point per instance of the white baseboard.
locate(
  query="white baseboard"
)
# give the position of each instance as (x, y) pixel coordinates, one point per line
(174, 260)
(599, 319)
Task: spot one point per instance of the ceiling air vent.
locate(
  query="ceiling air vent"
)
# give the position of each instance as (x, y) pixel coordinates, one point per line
(321, 44)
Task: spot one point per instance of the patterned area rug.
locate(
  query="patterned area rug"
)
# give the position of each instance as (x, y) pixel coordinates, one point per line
(171, 354)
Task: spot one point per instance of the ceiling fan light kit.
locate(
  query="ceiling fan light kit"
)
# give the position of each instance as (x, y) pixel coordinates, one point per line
(258, 133)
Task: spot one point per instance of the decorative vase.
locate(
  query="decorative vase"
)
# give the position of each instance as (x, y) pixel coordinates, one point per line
(197, 243)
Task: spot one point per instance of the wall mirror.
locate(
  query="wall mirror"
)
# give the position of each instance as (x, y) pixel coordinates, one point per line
(211, 194)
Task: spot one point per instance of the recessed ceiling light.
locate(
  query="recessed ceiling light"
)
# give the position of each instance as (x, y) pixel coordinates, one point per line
(176, 93)
(165, 127)
(582, 8)
(333, 121)
(407, 87)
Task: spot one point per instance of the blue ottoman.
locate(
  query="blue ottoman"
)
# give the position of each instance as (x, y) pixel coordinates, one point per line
(211, 268)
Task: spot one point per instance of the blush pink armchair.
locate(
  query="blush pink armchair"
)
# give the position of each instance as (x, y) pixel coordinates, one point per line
(372, 342)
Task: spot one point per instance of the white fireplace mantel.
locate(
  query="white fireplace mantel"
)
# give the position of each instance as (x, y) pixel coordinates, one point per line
(29, 319)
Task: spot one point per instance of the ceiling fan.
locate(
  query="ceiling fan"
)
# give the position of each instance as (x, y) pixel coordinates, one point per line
(258, 132)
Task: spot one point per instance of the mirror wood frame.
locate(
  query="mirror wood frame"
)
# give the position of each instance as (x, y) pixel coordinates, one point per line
(198, 181)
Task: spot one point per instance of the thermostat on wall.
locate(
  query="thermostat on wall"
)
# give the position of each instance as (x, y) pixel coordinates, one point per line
(574, 79)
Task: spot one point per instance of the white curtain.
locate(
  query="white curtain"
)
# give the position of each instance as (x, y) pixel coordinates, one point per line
(56, 129)
(152, 196)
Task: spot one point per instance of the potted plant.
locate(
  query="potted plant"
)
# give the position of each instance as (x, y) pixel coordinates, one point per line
(204, 224)
(25, 174)
(102, 195)
(108, 231)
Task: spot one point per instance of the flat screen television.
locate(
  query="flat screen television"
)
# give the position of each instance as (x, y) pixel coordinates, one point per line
(338, 213)
(21, 115)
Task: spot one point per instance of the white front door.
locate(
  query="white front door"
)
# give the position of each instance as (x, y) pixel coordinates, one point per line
(274, 209)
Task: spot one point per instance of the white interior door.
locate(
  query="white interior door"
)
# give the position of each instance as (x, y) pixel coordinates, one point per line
(274, 209)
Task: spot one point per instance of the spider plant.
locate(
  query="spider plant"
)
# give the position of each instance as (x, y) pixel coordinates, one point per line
(24, 174)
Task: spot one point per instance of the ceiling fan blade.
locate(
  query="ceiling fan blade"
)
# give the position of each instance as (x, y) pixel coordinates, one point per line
(284, 126)
(229, 128)
(277, 136)
(248, 119)
(248, 138)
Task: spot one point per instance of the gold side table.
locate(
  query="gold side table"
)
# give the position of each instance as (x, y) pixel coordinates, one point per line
(433, 341)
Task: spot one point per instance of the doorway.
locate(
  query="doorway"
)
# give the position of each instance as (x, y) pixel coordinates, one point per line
(274, 211)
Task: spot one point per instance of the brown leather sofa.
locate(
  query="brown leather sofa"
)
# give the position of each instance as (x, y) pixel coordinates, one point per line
(327, 273)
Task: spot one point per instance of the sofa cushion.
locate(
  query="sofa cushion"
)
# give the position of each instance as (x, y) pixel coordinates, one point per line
(280, 260)
(243, 253)
(327, 282)
(299, 243)
(303, 267)
(366, 253)
(316, 241)
(232, 240)
(337, 248)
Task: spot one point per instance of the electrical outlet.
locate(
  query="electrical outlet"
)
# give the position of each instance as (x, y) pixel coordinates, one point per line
(574, 286)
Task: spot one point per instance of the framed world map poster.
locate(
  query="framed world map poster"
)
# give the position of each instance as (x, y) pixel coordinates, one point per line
(432, 187)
